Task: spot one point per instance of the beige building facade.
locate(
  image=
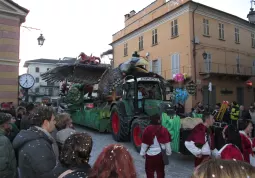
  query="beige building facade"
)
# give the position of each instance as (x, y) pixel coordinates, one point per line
(174, 36)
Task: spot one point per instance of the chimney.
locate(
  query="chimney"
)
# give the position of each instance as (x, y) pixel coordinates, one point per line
(127, 17)
(132, 13)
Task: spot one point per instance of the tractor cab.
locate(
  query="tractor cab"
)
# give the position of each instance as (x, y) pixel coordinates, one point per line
(142, 94)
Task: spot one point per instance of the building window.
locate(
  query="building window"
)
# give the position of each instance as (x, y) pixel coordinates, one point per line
(125, 49)
(37, 90)
(253, 40)
(141, 43)
(154, 37)
(206, 27)
(155, 66)
(238, 65)
(175, 61)
(237, 39)
(37, 69)
(208, 63)
(37, 79)
(221, 31)
(174, 27)
(253, 67)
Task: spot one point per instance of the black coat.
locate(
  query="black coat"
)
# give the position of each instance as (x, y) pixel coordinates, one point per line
(80, 171)
(36, 158)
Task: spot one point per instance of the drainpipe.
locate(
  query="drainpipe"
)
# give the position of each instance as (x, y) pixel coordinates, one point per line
(194, 47)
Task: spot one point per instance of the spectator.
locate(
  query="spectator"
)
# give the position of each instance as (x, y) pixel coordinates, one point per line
(114, 161)
(247, 145)
(7, 155)
(224, 169)
(20, 113)
(37, 150)
(75, 155)
(26, 120)
(244, 114)
(13, 131)
(234, 113)
(64, 127)
(154, 135)
(233, 148)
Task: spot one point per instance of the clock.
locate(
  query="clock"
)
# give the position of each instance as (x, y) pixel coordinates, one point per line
(26, 81)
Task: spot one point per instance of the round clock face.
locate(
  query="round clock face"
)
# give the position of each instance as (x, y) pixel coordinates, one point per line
(26, 81)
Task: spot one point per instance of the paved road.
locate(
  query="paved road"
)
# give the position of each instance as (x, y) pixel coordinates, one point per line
(180, 166)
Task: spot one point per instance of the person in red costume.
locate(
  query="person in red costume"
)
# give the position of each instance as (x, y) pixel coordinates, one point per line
(201, 140)
(154, 135)
(233, 148)
(247, 144)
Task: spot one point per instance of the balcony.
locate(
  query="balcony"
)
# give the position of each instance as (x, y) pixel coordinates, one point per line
(219, 69)
(168, 74)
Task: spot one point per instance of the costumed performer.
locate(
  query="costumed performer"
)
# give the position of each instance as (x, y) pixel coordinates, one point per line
(201, 140)
(232, 150)
(247, 144)
(154, 135)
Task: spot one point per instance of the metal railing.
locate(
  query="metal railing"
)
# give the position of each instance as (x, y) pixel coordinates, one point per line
(221, 68)
(168, 74)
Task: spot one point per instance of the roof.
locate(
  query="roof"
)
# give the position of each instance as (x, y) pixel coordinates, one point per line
(50, 61)
(17, 5)
(192, 2)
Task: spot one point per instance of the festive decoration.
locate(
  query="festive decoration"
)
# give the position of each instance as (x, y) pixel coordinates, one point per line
(249, 84)
(180, 95)
(179, 78)
(84, 59)
(191, 88)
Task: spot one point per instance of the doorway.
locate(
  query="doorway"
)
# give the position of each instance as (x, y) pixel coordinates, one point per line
(240, 95)
(212, 98)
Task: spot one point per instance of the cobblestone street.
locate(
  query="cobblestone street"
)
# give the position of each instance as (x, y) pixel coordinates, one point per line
(180, 166)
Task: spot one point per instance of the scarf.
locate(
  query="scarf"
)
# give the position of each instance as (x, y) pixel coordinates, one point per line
(54, 143)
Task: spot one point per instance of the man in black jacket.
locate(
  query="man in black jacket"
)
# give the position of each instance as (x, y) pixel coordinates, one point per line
(36, 150)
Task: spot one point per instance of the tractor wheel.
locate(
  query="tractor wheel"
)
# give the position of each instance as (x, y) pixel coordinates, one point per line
(137, 128)
(119, 126)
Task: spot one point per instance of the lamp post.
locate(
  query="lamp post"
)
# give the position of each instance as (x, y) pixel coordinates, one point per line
(251, 15)
(41, 40)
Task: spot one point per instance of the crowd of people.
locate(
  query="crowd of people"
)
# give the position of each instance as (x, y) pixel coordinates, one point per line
(35, 142)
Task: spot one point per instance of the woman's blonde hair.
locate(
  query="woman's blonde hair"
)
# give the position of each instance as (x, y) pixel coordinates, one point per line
(224, 169)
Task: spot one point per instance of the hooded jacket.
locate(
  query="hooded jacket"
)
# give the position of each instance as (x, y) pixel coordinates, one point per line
(36, 158)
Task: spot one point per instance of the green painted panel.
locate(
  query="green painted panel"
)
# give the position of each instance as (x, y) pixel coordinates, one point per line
(151, 107)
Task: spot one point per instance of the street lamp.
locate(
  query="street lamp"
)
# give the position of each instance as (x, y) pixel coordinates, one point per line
(251, 15)
(41, 40)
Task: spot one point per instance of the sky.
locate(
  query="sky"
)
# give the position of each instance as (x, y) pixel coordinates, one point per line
(74, 26)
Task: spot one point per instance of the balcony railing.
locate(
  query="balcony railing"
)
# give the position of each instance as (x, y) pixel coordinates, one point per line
(225, 69)
(168, 74)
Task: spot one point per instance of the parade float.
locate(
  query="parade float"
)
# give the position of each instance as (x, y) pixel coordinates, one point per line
(106, 99)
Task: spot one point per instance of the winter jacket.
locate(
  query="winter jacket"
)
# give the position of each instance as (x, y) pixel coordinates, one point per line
(36, 158)
(7, 158)
(234, 115)
(77, 172)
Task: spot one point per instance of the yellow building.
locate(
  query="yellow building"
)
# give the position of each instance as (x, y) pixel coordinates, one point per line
(175, 36)
(11, 17)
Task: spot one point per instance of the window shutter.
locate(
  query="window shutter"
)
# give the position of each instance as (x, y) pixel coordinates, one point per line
(159, 67)
(150, 65)
(177, 63)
